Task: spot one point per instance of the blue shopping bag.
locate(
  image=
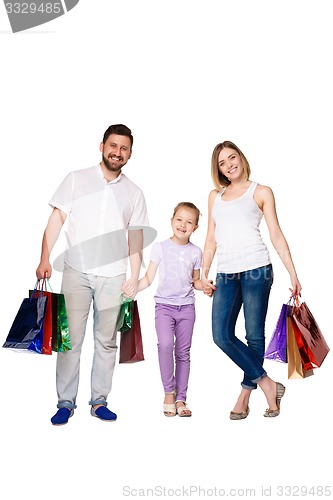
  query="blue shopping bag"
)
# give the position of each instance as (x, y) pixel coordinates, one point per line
(26, 331)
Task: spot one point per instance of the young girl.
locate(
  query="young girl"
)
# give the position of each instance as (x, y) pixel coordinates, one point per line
(179, 263)
(244, 270)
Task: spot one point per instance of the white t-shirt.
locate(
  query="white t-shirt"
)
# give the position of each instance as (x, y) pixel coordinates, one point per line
(99, 214)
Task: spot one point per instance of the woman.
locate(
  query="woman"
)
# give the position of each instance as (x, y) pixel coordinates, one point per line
(244, 270)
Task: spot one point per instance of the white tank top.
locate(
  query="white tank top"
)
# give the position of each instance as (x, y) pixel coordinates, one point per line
(239, 246)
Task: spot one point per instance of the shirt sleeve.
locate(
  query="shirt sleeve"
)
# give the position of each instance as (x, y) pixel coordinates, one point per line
(139, 216)
(198, 259)
(156, 253)
(63, 196)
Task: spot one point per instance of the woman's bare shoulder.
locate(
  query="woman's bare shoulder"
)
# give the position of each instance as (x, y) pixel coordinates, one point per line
(264, 191)
(213, 193)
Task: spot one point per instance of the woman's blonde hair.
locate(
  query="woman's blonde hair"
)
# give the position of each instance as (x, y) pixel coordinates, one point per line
(219, 179)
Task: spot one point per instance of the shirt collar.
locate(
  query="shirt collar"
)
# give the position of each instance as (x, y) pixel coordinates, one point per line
(100, 173)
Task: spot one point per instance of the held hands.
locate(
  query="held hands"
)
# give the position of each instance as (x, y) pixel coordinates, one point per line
(129, 288)
(208, 286)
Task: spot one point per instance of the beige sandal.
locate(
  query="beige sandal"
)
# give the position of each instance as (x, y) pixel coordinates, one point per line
(183, 411)
(169, 409)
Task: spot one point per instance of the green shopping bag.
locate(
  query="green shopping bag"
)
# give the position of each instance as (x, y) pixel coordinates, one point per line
(125, 318)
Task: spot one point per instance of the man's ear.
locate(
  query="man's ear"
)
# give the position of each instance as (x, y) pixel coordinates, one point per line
(101, 147)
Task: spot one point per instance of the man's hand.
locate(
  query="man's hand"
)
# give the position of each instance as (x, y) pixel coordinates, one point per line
(129, 288)
(44, 270)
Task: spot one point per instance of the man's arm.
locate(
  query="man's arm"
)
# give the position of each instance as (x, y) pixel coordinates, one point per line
(51, 234)
(135, 248)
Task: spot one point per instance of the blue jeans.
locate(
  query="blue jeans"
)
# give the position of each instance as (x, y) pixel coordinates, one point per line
(250, 289)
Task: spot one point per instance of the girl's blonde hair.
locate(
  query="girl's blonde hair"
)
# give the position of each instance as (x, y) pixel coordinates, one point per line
(219, 179)
(191, 206)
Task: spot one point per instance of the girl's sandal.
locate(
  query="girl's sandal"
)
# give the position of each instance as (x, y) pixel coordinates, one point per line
(169, 409)
(184, 411)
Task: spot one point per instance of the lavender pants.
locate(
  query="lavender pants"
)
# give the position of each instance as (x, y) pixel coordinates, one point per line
(174, 328)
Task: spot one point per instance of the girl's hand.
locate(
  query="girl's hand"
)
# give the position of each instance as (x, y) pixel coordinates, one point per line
(209, 292)
(208, 286)
(129, 288)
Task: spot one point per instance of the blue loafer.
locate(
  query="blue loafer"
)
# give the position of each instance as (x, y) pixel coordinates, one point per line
(62, 416)
(103, 413)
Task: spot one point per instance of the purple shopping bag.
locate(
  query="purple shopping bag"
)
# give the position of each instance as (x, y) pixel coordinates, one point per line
(277, 347)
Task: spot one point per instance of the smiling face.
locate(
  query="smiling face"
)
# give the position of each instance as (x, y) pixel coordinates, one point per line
(183, 224)
(116, 152)
(230, 164)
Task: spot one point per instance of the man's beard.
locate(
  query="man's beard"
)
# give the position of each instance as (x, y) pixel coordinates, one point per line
(113, 167)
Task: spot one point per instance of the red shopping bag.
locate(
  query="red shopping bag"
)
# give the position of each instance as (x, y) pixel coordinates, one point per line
(40, 288)
(310, 332)
(55, 331)
(308, 360)
(131, 348)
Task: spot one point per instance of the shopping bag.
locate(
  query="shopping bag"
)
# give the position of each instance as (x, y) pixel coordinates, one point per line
(26, 332)
(125, 316)
(295, 368)
(46, 347)
(277, 347)
(131, 348)
(61, 341)
(310, 331)
(308, 360)
(56, 334)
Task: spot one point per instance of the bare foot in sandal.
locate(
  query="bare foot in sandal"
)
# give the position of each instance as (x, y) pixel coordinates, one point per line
(169, 407)
(182, 409)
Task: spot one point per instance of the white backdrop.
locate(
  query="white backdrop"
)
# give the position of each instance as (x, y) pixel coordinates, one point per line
(183, 75)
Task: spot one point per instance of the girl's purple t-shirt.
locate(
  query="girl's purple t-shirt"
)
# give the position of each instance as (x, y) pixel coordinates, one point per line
(176, 265)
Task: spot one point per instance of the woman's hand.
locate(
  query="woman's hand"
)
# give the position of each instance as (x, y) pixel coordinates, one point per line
(207, 286)
(296, 287)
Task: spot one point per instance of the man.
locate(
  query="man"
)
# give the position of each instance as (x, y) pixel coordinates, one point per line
(100, 204)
